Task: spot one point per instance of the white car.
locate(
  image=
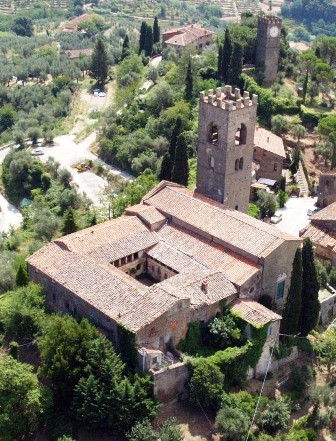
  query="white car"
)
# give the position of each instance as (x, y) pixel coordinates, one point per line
(37, 152)
(276, 218)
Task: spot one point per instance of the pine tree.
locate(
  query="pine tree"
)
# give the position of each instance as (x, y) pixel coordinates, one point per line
(310, 305)
(142, 39)
(156, 31)
(236, 65)
(22, 278)
(149, 42)
(226, 56)
(181, 168)
(69, 223)
(220, 63)
(173, 140)
(99, 62)
(125, 48)
(189, 83)
(292, 309)
(166, 168)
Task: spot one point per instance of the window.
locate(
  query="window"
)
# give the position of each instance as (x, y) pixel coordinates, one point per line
(213, 133)
(165, 275)
(275, 166)
(237, 165)
(154, 360)
(280, 289)
(152, 267)
(138, 267)
(241, 163)
(269, 331)
(241, 135)
(67, 304)
(54, 297)
(236, 207)
(136, 255)
(251, 290)
(264, 152)
(327, 183)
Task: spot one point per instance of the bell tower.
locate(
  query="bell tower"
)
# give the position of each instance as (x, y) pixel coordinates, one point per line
(268, 46)
(225, 146)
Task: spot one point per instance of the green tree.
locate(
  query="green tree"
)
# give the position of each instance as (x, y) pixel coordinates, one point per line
(180, 172)
(232, 423)
(142, 38)
(23, 400)
(280, 124)
(282, 198)
(310, 305)
(299, 132)
(156, 31)
(236, 65)
(226, 57)
(267, 203)
(142, 431)
(166, 168)
(305, 87)
(7, 117)
(169, 430)
(173, 140)
(64, 348)
(22, 278)
(188, 93)
(149, 42)
(125, 48)
(206, 385)
(276, 416)
(325, 348)
(23, 26)
(292, 309)
(220, 62)
(69, 222)
(99, 62)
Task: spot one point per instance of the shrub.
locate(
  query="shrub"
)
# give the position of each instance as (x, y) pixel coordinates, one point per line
(275, 417)
(232, 423)
(300, 378)
(206, 385)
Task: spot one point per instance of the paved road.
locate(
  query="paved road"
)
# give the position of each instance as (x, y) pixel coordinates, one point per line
(156, 61)
(294, 215)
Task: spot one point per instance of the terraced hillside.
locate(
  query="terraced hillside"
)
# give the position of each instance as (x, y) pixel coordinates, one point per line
(10, 6)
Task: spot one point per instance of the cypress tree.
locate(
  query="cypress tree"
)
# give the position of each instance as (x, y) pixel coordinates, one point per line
(220, 63)
(156, 31)
(181, 167)
(236, 65)
(69, 222)
(310, 305)
(22, 278)
(226, 56)
(149, 42)
(292, 309)
(142, 39)
(173, 140)
(166, 168)
(99, 62)
(125, 48)
(189, 83)
(305, 87)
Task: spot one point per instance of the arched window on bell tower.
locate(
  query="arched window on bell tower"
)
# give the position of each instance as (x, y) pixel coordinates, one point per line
(241, 135)
(213, 133)
(241, 163)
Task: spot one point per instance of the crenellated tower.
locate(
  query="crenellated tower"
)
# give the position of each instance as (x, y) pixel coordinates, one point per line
(225, 146)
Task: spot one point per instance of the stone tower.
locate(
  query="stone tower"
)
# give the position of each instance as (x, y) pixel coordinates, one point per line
(327, 188)
(268, 46)
(225, 146)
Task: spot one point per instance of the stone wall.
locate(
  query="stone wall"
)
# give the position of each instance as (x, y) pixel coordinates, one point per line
(170, 382)
(273, 331)
(328, 309)
(270, 164)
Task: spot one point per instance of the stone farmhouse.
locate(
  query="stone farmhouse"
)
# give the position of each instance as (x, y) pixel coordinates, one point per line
(175, 258)
(73, 25)
(322, 232)
(268, 155)
(194, 36)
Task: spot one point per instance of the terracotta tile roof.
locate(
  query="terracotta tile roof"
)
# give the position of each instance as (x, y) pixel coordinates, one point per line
(253, 312)
(72, 24)
(268, 141)
(150, 215)
(187, 35)
(213, 256)
(172, 257)
(319, 236)
(328, 173)
(326, 214)
(77, 53)
(234, 229)
(202, 288)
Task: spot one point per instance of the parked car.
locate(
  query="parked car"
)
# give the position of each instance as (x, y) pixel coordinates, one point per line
(276, 218)
(312, 211)
(37, 152)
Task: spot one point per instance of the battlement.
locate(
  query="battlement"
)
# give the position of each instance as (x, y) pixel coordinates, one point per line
(269, 19)
(228, 100)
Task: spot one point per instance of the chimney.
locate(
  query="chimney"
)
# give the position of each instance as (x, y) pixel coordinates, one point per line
(204, 286)
(267, 138)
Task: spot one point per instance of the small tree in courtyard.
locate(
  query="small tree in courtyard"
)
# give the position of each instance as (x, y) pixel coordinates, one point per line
(292, 309)
(310, 305)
